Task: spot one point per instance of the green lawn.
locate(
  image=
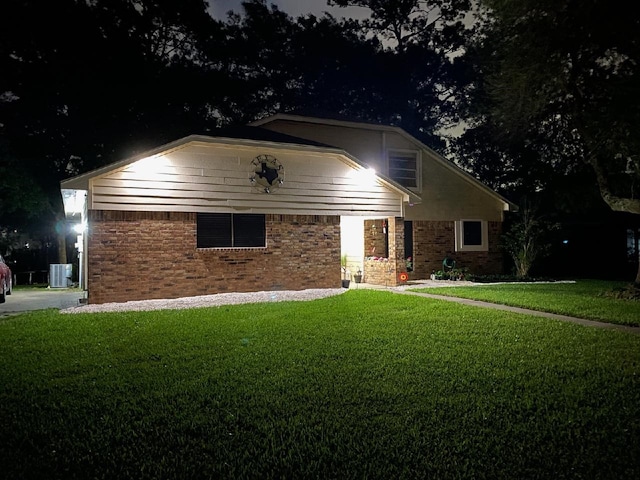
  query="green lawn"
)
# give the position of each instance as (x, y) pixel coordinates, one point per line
(582, 299)
(367, 384)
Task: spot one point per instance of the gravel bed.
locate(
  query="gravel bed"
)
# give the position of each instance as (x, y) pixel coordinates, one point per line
(257, 297)
(208, 301)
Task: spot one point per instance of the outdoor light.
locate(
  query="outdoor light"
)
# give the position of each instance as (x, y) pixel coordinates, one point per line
(150, 166)
(365, 176)
(79, 227)
(369, 174)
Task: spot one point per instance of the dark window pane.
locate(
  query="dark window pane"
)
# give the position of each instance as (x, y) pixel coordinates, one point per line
(403, 168)
(472, 233)
(248, 230)
(213, 230)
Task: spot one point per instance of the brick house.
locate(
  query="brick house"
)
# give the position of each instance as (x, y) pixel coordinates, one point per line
(263, 207)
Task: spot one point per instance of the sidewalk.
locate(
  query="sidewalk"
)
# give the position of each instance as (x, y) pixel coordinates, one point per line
(25, 300)
(404, 289)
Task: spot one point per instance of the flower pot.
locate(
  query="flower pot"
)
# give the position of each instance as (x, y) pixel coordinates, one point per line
(357, 278)
(345, 283)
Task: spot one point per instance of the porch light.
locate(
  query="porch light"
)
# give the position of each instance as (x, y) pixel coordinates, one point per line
(80, 228)
(149, 165)
(365, 176)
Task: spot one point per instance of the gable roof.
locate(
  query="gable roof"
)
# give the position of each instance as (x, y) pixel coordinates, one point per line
(247, 132)
(388, 128)
(239, 136)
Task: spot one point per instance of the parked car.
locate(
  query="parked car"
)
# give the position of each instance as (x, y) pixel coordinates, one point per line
(6, 280)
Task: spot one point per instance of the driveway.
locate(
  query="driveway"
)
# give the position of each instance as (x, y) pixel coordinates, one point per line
(25, 300)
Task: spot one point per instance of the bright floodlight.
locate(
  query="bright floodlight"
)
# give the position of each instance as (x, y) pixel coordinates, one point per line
(79, 227)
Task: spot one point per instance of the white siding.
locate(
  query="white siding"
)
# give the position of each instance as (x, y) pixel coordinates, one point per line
(215, 178)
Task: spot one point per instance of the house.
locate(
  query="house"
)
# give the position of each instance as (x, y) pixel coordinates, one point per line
(273, 206)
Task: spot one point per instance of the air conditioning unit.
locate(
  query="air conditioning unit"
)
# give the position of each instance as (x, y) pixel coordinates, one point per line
(60, 275)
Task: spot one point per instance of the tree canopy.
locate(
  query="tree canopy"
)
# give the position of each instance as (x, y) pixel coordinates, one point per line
(558, 82)
(541, 87)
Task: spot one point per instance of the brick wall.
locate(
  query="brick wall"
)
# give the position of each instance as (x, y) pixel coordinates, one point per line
(147, 255)
(433, 240)
(384, 271)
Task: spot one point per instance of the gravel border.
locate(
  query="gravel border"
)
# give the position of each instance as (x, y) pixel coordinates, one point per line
(259, 297)
(208, 301)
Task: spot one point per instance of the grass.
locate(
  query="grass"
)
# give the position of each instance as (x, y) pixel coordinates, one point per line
(583, 299)
(33, 286)
(367, 384)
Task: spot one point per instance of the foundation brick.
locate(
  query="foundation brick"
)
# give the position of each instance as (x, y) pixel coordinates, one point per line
(433, 240)
(149, 255)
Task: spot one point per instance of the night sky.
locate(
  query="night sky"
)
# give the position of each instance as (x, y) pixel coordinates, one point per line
(295, 8)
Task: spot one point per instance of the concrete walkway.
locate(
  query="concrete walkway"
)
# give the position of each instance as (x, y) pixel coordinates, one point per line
(28, 299)
(404, 289)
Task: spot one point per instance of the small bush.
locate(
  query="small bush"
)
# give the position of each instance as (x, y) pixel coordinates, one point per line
(628, 292)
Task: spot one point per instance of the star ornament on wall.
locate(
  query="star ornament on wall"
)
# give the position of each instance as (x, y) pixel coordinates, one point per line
(267, 173)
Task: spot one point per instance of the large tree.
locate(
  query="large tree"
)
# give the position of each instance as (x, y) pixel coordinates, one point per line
(561, 80)
(315, 65)
(85, 83)
(421, 80)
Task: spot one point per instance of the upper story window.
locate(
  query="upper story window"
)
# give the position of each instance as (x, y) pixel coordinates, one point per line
(220, 230)
(404, 167)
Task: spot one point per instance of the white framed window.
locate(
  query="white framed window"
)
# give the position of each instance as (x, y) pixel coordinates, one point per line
(404, 167)
(471, 236)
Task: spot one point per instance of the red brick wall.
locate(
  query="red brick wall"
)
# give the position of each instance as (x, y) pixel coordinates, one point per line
(433, 240)
(147, 255)
(386, 271)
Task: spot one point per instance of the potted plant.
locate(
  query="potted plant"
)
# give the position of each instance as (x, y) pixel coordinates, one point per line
(440, 275)
(358, 276)
(345, 273)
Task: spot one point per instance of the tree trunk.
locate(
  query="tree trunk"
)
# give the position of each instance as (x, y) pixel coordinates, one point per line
(61, 234)
(62, 247)
(615, 202)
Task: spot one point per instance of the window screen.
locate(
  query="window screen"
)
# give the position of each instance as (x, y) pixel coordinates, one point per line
(217, 230)
(472, 232)
(248, 230)
(403, 168)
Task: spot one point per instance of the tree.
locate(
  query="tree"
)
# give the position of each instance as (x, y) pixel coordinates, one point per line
(404, 22)
(274, 63)
(421, 80)
(562, 79)
(525, 241)
(85, 83)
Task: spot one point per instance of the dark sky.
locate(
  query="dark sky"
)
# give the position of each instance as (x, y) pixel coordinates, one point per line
(295, 8)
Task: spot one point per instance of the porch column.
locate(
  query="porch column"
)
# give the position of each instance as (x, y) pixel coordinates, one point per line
(384, 251)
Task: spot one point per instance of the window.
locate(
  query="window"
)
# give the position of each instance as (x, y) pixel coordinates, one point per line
(403, 167)
(471, 236)
(219, 230)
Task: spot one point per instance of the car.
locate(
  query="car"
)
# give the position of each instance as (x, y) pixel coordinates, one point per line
(6, 280)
